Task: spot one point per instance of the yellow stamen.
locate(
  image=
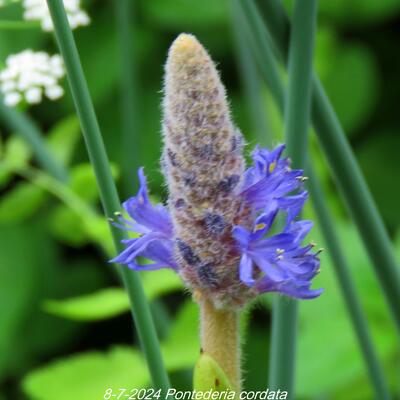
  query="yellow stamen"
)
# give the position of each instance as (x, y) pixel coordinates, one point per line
(272, 166)
(260, 226)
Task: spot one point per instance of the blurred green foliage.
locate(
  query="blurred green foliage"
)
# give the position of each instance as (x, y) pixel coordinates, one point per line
(65, 331)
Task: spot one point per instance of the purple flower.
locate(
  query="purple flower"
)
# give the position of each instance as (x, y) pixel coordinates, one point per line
(277, 263)
(270, 181)
(268, 262)
(155, 226)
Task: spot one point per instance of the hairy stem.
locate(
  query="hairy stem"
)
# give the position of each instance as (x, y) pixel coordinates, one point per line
(220, 339)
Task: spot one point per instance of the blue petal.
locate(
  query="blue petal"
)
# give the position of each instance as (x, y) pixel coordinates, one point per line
(242, 236)
(155, 225)
(146, 216)
(246, 270)
(289, 288)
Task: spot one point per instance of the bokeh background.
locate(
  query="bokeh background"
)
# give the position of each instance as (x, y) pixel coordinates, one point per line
(65, 328)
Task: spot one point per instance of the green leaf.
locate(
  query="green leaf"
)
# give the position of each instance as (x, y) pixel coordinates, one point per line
(83, 181)
(87, 376)
(209, 375)
(161, 282)
(378, 158)
(351, 78)
(329, 359)
(20, 202)
(111, 302)
(15, 155)
(103, 304)
(63, 137)
(67, 226)
(18, 260)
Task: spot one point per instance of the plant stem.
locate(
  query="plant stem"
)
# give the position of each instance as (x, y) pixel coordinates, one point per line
(250, 77)
(129, 103)
(20, 123)
(347, 287)
(341, 268)
(346, 172)
(220, 339)
(283, 345)
(257, 37)
(108, 192)
(297, 116)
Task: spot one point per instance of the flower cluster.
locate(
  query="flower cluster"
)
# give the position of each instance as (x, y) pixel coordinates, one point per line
(218, 231)
(28, 75)
(37, 10)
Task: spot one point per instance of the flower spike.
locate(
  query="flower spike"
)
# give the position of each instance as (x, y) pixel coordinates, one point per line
(217, 230)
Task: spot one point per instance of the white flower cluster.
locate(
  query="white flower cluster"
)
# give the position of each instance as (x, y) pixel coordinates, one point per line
(37, 10)
(28, 75)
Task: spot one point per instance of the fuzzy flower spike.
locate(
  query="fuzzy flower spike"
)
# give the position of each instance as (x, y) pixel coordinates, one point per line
(218, 229)
(216, 232)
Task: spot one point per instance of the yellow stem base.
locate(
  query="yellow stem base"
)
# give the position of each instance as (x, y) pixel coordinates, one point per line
(220, 339)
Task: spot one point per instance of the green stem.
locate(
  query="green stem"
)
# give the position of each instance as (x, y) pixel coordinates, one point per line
(257, 36)
(297, 117)
(347, 287)
(347, 173)
(108, 193)
(24, 126)
(129, 103)
(250, 77)
(358, 320)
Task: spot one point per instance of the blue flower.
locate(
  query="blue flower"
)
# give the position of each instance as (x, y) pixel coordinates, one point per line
(277, 263)
(270, 181)
(154, 225)
(268, 262)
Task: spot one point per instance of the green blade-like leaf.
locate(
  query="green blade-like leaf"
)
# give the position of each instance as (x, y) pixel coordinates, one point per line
(87, 376)
(103, 304)
(20, 202)
(111, 302)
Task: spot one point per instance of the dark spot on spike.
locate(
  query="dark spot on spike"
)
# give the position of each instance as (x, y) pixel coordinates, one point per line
(201, 350)
(228, 183)
(206, 151)
(172, 157)
(194, 94)
(207, 275)
(179, 203)
(215, 223)
(216, 382)
(189, 180)
(187, 252)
